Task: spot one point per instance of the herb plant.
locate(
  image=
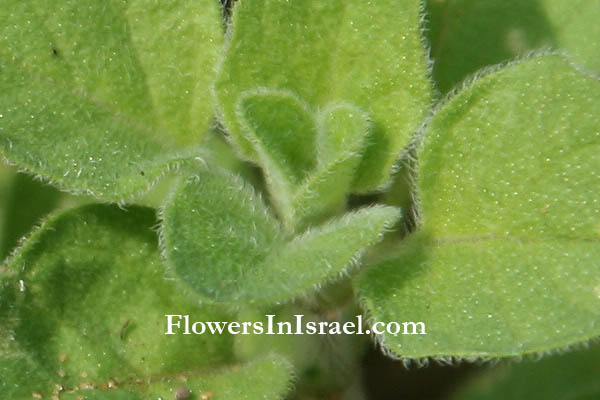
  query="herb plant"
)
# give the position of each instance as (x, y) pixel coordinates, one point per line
(297, 157)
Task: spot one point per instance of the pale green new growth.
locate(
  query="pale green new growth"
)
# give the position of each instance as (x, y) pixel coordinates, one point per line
(506, 261)
(341, 140)
(222, 240)
(282, 127)
(282, 131)
(364, 52)
(82, 305)
(571, 376)
(309, 160)
(103, 97)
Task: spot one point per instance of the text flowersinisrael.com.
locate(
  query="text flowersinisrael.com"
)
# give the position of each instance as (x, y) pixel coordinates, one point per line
(184, 325)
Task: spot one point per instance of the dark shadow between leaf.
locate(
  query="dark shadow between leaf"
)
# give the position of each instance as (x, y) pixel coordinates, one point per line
(467, 35)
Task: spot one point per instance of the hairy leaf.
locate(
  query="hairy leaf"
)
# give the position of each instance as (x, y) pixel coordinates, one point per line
(222, 240)
(309, 158)
(467, 35)
(282, 130)
(341, 138)
(281, 126)
(324, 362)
(82, 307)
(570, 376)
(506, 261)
(366, 53)
(265, 379)
(102, 97)
(27, 202)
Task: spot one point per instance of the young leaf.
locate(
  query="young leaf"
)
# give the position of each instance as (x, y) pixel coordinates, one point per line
(324, 52)
(220, 237)
(83, 304)
(309, 161)
(467, 35)
(506, 262)
(341, 137)
(569, 376)
(215, 230)
(102, 97)
(282, 131)
(282, 126)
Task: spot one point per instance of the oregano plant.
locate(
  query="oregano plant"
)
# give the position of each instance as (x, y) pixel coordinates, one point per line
(428, 168)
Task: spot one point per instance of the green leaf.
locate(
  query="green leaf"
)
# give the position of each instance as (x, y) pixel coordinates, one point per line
(576, 30)
(83, 304)
(282, 131)
(341, 138)
(309, 158)
(118, 91)
(324, 364)
(367, 53)
(467, 35)
(6, 178)
(222, 240)
(265, 379)
(506, 261)
(27, 202)
(282, 127)
(570, 376)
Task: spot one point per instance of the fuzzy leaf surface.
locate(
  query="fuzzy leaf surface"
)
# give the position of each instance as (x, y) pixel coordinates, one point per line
(83, 304)
(27, 202)
(282, 126)
(222, 240)
(102, 97)
(342, 134)
(317, 358)
(282, 131)
(309, 157)
(506, 260)
(266, 379)
(367, 53)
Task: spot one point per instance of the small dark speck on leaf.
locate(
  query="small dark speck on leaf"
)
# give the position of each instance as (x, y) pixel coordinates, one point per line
(124, 329)
(142, 173)
(54, 52)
